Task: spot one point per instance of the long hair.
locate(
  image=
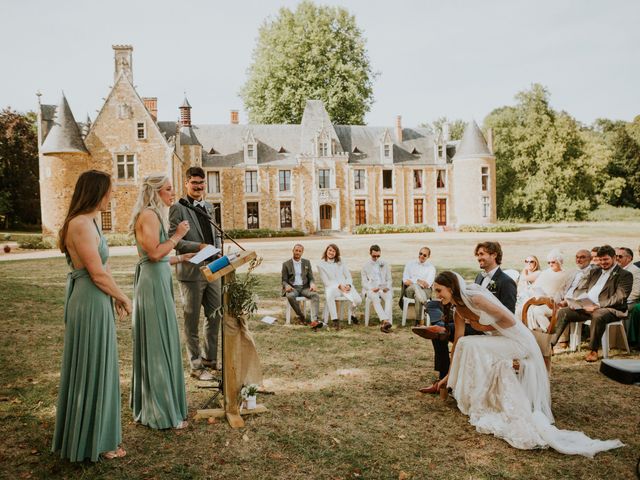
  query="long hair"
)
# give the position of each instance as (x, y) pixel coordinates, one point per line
(535, 259)
(335, 247)
(448, 279)
(89, 191)
(148, 198)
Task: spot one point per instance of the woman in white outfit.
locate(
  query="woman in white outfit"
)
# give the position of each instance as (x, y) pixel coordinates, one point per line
(514, 407)
(337, 281)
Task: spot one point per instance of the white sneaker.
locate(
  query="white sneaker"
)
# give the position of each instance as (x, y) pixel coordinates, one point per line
(202, 375)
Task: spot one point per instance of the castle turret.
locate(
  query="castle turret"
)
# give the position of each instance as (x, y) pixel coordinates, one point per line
(189, 145)
(474, 179)
(63, 157)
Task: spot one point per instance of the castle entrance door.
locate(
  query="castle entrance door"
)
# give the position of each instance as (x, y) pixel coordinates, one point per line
(325, 217)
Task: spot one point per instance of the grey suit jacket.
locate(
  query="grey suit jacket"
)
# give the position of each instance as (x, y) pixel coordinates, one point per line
(615, 291)
(186, 271)
(289, 274)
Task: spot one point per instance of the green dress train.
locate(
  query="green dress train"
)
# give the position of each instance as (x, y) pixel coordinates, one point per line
(88, 412)
(158, 397)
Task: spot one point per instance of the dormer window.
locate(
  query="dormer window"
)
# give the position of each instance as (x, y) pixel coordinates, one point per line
(141, 130)
(440, 151)
(323, 148)
(250, 150)
(387, 151)
(386, 148)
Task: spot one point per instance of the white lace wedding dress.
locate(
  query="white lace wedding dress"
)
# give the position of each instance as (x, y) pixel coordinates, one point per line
(513, 406)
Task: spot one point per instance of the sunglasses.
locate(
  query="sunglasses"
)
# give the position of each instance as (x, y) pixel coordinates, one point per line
(375, 256)
(529, 261)
(423, 255)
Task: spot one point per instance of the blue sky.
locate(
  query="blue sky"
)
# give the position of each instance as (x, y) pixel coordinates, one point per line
(459, 59)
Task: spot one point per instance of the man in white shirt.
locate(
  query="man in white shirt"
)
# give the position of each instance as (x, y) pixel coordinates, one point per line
(378, 287)
(297, 281)
(608, 286)
(624, 257)
(417, 279)
(583, 267)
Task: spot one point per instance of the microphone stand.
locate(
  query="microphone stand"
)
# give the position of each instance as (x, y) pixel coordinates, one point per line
(203, 213)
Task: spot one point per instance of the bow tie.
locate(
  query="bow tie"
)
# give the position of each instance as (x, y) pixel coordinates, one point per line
(200, 204)
(484, 274)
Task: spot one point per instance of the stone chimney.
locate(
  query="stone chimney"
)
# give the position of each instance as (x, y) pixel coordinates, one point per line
(123, 58)
(234, 118)
(185, 113)
(490, 139)
(152, 105)
(399, 128)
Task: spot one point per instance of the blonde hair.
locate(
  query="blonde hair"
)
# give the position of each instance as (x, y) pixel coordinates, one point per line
(149, 198)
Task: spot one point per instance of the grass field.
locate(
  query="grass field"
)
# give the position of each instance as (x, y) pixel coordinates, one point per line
(345, 404)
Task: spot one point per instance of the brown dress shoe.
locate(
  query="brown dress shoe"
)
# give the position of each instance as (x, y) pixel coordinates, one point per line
(432, 332)
(433, 389)
(591, 356)
(385, 327)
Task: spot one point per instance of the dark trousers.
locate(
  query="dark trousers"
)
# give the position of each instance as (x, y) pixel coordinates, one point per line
(441, 348)
(599, 320)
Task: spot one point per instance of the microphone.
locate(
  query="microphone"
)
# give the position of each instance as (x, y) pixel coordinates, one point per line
(185, 203)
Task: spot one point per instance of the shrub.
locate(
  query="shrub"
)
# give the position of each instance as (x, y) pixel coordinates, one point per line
(503, 227)
(263, 233)
(369, 229)
(120, 239)
(37, 242)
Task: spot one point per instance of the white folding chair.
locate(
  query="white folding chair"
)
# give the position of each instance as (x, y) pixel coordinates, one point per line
(341, 299)
(367, 306)
(605, 338)
(288, 309)
(406, 301)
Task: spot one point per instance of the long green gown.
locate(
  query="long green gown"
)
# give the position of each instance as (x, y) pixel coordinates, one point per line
(158, 396)
(88, 413)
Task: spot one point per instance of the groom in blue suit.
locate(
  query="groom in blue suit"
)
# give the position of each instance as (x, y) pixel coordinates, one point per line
(489, 256)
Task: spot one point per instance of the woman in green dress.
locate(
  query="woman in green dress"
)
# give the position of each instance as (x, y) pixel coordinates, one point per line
(158, 397)
(88, 413)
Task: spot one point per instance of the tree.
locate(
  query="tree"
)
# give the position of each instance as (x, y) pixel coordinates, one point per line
(544, 173)
(456, 127)
(623, 138)
(312, 53)
(20, 191)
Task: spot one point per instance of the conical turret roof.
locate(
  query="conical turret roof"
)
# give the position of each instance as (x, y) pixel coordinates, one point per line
(473, 143)
(64, 136)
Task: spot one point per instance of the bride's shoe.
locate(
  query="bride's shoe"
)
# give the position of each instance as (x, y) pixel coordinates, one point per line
(181, 425)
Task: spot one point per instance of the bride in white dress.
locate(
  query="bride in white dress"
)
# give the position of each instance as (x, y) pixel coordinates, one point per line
(515, 406)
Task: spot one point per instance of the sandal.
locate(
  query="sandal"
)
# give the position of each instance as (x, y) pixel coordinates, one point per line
(119, 453)
(181, 425)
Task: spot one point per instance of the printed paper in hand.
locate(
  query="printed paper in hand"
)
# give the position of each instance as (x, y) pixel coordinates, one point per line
(203, 254)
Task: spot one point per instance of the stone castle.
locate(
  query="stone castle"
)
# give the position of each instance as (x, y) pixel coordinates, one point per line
(311, 177)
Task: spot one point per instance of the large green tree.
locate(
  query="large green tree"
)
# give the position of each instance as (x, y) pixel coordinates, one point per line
(544, 173)
(456, 127)
(314, 52)
(19, 188)
(623, 166)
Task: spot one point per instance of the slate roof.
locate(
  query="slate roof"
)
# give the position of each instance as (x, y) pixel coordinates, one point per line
(223, 145)
(473, 143)
(64, 135)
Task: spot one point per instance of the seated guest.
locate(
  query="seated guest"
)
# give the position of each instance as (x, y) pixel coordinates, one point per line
(337, 281)
(583, 267)
(637, 264)
(608, 286)
(376, 282)
(297, 281)
(624, 257)
(551, 283)
(417, 279)
(594, 256)
(528, 275)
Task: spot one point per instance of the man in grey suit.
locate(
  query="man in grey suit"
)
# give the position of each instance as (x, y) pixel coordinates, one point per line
(607, 286)
(297, 281)
(196, 291)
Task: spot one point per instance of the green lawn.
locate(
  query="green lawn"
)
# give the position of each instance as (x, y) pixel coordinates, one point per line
(345, 404)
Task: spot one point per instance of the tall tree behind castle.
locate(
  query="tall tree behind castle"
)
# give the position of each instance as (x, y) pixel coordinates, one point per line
(314, 52)
(19, 189)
